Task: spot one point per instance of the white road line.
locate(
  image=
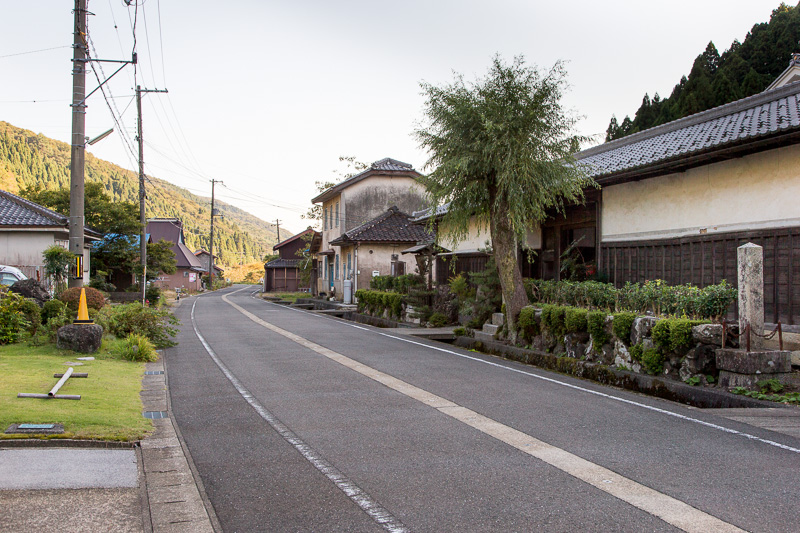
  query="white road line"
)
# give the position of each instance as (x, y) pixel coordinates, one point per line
(667, 508)
(564, 384)
(370, 506)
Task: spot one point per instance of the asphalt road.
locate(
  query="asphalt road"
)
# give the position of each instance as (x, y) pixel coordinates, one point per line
(300, 422)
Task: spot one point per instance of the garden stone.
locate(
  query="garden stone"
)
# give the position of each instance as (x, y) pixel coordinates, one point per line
(623, 357)
(708, 334)
(575, 344)
(641, 328)
(701, 360)
(83, 338)
(30, 288)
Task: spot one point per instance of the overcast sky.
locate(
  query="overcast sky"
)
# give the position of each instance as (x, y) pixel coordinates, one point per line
(266, 95)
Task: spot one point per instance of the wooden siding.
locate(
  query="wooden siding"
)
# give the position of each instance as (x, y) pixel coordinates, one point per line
(708, 259)
(465, 263)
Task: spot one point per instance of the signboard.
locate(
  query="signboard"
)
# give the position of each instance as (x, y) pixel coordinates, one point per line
(192, 277)
(77, 266)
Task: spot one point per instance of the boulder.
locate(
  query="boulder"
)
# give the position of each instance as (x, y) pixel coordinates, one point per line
(575, 344)
(83, 338)
(708, 334)
(641, 328)
(30, 288)
(701, 360)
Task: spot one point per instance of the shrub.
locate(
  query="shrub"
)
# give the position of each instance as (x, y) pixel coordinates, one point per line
(622, 326)
(575, 319)
(53, 309)
(661, 334)
(12, 317)
(553, 318)
(102, 285)
(462, 289)
(460, 331)
(653, 361)
(155, 324)
(152, 294)
(709, 302)
(596, 326)
(636, 352)
(438, 320)
(376, 302)
(136, 348)
(72, 297)
(527, 324)
(680, 333)
(32, 314)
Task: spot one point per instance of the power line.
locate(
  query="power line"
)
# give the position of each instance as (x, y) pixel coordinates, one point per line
(34, 51)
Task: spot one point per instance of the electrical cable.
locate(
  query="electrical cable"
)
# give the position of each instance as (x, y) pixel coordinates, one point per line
(34, 51)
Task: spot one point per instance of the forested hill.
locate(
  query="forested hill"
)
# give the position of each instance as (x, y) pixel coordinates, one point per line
(28, 159)
(742, 70)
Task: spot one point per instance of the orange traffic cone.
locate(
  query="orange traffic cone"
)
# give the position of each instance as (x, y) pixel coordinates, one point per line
(83, 311)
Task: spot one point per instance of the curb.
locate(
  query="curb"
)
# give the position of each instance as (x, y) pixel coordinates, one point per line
(173, 488)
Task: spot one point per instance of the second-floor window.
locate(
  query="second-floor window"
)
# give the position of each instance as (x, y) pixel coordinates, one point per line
(325, 219)
(337, 214)
(336, 275)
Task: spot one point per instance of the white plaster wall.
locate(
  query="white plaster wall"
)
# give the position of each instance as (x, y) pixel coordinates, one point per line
(475, 240)
(24, 248)
(756, 191)
(371, 197)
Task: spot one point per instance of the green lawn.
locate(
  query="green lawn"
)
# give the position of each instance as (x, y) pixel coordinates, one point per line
(109, 408)
(291, 296)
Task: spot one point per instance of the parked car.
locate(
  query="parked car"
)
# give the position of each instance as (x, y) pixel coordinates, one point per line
(10, 275)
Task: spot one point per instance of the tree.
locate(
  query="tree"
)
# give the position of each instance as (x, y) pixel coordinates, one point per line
(501, 151)
(160, 258)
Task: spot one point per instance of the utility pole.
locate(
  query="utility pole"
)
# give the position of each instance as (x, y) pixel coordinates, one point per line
(211, 240)
(278, 225)
(78, 151)
(142, 195)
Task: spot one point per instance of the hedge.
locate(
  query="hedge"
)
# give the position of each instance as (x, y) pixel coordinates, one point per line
(682, 300)
(376, 302)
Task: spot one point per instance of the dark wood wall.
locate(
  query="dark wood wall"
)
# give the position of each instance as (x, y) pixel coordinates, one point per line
(708, 259)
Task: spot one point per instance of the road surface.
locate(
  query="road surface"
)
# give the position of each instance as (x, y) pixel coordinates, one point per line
(301, 422)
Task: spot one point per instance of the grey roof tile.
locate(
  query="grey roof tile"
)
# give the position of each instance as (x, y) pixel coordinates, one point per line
(391, 226)
(762, 115)
(17, 211)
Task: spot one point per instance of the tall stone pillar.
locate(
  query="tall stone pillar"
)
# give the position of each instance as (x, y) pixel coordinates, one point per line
(751, 293)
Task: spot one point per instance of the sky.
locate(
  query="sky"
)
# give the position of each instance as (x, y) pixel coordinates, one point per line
(266, 95)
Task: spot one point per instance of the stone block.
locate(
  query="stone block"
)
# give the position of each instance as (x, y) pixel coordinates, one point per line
(743, 362)
(83, 338)
(750, 381)
(498, 319)
(641, 328)
(708, 334)
(481, 336)
(491, 329)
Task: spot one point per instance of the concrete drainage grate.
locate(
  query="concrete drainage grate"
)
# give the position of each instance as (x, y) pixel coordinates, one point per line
(155, 414)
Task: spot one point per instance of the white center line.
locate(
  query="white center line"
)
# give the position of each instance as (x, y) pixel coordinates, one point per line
(667, 508)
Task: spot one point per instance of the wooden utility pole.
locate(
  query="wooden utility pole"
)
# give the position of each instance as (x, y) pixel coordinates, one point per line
(142, 195)
(211, 240)
(78, 151)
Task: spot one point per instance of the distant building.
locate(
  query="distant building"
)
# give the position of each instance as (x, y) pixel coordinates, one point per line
(189, 268)
(352, 203)
(283, 274)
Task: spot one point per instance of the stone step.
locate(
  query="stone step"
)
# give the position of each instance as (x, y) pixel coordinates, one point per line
(481, 336)
(491, 329)
(498, 319)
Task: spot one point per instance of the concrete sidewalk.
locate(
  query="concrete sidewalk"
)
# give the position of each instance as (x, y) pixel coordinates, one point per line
(87, 487)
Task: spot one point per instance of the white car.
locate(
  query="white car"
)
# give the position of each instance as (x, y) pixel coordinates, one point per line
(10, 275)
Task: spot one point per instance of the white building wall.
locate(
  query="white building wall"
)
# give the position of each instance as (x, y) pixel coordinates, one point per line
(753, 192)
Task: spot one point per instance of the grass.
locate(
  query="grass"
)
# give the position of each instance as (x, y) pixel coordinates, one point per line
(292, 296)
(109, 408)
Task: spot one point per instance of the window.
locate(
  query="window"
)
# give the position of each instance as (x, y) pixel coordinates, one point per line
(185, 273)
(325, 219)
(349, 266)
(337, 214)
(336, 275)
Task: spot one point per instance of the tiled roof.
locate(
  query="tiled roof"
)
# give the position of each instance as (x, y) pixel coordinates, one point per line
(768, 114)
(425, 214)
(391, 226)
(169, 229)
(387, 164)
(282, 263)
(17, 211)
